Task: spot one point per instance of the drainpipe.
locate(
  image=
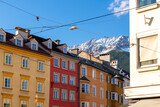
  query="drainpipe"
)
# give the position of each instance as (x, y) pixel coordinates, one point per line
(79, 64)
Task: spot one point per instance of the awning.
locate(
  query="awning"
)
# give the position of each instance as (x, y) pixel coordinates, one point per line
(145, 103)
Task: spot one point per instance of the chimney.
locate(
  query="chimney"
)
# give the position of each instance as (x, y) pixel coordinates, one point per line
(105, 57)
(24, 32)
(114, 63)
(75, 51)
(57, 42)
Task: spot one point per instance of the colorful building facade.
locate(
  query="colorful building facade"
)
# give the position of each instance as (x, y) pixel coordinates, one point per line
(64, 90)
(24, 71)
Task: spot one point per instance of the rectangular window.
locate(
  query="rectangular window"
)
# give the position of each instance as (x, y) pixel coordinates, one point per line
(64, 94)
(72, 80)
(85, 88)
(84, 73)
(84, 104)
(8, 59)
(114, 96)
(119, 84)
(148, 53)
(101, 105)
(49, 45)
(39, 104)
(64, 79)
(25, 62)
(72, 66)
(101, 93)
(56, 93)
(64, 64)
(94, 90)
(1, 37)
(146, 2)
(23, 103)
(72, 96)
(56, 77)
(94, 74)
(34, 46)
(19, 42)
(40, 87)
(114, 81)
(120, 100)
(108, 79)
(64, 49)
(7, 82)
(101, 77)
(24, 84)
(40, 66)
(94, 104)
(56, 62)
(108, 94)
(6, 102)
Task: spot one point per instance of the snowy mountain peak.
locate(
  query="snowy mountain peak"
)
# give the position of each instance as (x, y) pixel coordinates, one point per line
(103, 45)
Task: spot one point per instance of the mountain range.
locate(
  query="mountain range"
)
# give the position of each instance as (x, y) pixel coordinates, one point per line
(118, 47)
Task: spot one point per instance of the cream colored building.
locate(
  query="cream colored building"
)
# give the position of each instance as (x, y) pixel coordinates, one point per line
(24, 71)
(144, 51)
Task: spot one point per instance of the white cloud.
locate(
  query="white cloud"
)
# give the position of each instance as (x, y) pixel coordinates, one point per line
(119, 5)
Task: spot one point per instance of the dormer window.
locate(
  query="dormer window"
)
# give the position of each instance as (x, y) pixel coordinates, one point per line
(49, 45)
(34, 46)
(19, 42)
(64, 49)
(146, 2)
(1, 37)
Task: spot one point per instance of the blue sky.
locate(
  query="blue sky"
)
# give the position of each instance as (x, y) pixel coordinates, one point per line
(67, 11)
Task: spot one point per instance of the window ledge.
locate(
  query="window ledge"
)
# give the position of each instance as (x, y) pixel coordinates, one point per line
(41, 71)
(147, 7)
(24, 90)
(8, 65)
(148, 68)
(25, 68)
(40, 92)
(7, 88)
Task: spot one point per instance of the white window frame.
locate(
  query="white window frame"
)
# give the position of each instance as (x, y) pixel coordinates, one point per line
(8, 82)
(72, 79)
(7, 101)
(101, 76)
(109, 79)
(72, 66)
(8, 59)
(24, 102)
(64, 79)
(86, 104)
(119, 84)
(72, 95)
(115, 96)
(25, 83)
(101, 105)
(94, 104)
(49, 45)
(64, 94)
(40, 86)
(34, 46)
(2, 37)
(85, 71)
(86, 88)
(94, 90)
(57, 62)
(114, 81)
(64, 64)
(55, 93)
(64, 49)
(57, 77)
(39, 104)
(101, 93)
(108, 94)
(25, 63)
(120, 99)
(94, 74)
(17, 42)
(40, 66)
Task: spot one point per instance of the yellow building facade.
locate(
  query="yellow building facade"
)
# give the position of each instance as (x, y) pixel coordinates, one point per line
(24, 75)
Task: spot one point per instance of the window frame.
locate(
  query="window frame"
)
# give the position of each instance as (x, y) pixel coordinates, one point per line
(115, 96)
(64, 64)
(86, 88)
(64, 81)
(34, 46)
(101, 93)
(94, 93)
(8, 86)
(74, 79)
(138, 3)
(83, 67)
(2, 37)
(94, 74)
(57, 62)
(25, 62)
(56, 90)
(18, 41)
(101, 78)
(41, 66)
(56, 79)
(9, 62)
(73, 65)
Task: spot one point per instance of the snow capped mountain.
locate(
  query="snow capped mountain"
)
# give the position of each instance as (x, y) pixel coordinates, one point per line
(103, 45)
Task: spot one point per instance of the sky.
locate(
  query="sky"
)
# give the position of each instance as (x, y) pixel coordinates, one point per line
(60, 12)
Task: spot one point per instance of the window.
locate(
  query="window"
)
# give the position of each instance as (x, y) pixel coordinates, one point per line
(64, 79)
(63, 64)
(1, 37)
(56, 93)
(146, 2)
(108, 79)
(25, 62)
(119, 85)
(94, 90)
(23, 103)
(40, 87)
(101, 77)
(39, 104)
(94, 74)
(72, 96)
(101, 93)
(114, 96)
(56, 62)
(85, 88)
(64, 94)
(19, 42)
(72, 80)
(8, 59)
(40, 66)
(34, 46)
(84, 104)
(101, 105)
(108, 94)
(94, 104)
(64, 49)
(49, 45)
(24, 84)
(120, 100)
(6, 102)
(84, 73)
(7, 82)
(72, 66)
(146, 56)
(56, 77)
(114, 81)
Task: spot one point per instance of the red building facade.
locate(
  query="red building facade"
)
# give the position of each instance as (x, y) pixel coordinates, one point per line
(64, 81)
